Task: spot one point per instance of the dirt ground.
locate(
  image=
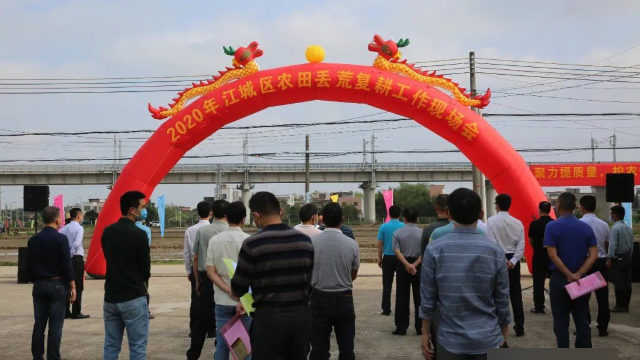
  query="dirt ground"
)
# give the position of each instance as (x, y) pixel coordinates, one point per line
(169, 287)
(170, 246)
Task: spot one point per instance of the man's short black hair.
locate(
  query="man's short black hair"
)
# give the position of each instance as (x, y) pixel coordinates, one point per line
(130, 199)
(73, 213)
(219, 208)
(410, 215)
(441, 201)
(464, 206)
(204, 209)
(236, 212)
(332, 215)
(307, 212)
(394, 211)
(50, 214)
(544, 207)
(264, 203)
(618, 211)
(566, 201)
(503, 201)
(588, 202)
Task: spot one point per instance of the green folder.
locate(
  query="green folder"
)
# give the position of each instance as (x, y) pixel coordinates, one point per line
(246, 299)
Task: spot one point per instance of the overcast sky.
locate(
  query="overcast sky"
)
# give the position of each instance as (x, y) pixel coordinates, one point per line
(79, 39)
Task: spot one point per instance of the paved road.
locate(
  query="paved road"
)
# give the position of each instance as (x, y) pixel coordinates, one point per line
(82, 339)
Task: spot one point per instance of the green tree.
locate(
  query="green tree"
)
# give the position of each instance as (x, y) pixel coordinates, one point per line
(90, 217)
(350, 214)
(152, 213)
(408, 195)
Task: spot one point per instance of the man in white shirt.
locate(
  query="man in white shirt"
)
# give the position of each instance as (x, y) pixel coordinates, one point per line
(508, 232)
(601, 231)
(74, 233)
(309, 218)
(204, 212)
(227, 245)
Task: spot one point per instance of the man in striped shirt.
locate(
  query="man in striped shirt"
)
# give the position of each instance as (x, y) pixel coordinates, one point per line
(465, 276)
(276, 263)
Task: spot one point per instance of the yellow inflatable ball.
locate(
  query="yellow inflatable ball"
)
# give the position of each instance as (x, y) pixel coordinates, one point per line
(314, 54)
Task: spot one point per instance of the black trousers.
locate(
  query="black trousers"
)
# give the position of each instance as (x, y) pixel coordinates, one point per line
(49, 301)
(562, 306)
(78, 270)
(281, 334)
(602, 295)
(406, 285)
(193, 308)
(206, 318)
(443, 354)
(540, 273)
(515, 293)
(621, 278)
(389, 264)
(332, 311)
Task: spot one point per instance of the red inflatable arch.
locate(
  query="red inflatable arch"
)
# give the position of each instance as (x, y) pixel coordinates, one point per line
(402, 95)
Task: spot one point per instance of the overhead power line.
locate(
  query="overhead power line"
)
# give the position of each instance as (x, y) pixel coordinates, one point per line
(321, 154)
(14, 133)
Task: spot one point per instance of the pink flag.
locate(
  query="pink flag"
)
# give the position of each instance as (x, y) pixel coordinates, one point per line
(387, 195)
(59, 203)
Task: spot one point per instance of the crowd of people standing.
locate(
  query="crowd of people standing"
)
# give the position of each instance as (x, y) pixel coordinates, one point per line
(463, 275)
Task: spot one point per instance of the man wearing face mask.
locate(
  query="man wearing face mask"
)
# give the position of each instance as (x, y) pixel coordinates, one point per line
(126, 250)
(49, 264)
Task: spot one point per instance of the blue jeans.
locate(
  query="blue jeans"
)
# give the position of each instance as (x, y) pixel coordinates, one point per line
(49, 305)
(562, 306)
(225, 313)
(132, 315)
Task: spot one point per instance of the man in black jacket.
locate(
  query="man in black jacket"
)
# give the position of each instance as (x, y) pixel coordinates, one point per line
(540, 257)
(126, 249)
(49, 264)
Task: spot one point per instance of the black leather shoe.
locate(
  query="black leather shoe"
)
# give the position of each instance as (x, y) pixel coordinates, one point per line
(385, 313)
(67, 316)
(537, 311)
(603, 332)
(519, 332)
(399, 332)
(211, 335)
(80, 316)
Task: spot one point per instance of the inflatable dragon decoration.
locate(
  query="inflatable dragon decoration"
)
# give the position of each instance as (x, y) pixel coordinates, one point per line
(389, 59)
(243, 65)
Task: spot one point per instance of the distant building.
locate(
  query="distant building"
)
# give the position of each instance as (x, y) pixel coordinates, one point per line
(93, 204)
(435, 190)
(228, 193)
(289, 199)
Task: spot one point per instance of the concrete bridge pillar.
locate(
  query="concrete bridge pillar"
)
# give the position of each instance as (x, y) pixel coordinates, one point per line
(369, 203)
(246, 187)
(602, 206)
(489, 200)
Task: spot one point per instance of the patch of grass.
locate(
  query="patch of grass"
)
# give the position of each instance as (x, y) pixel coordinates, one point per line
(167, 262)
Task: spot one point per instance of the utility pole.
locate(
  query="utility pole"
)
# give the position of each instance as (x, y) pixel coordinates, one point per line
(364, 152)
(373, 159)
(307, 175)
(478, 177)
(612, 141)
(593, 149)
